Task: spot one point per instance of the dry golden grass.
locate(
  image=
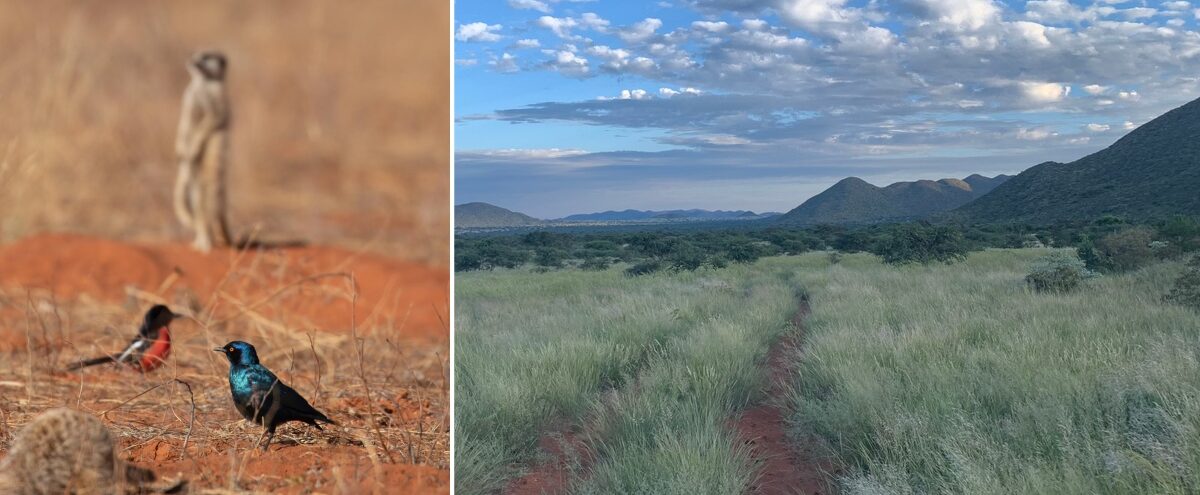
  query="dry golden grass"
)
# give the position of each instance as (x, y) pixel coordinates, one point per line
(341, 118)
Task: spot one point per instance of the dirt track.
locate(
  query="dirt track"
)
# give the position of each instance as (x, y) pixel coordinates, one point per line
(783, 467)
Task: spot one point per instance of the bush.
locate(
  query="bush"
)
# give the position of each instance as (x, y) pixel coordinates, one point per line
(549, 257)
(1125, 250)
(643, 268)
(595, 264)
(1186, 291)
(1057, 272)
(686, 257)
(922, 243)
(744, 252)
(835, 257)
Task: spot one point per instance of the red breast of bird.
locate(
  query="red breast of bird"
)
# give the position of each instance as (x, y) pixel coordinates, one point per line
(157, 353)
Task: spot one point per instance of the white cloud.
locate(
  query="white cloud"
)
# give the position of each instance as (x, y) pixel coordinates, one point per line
(724, 139)
(1032, 32)
(641, 31)
(465, 62)
(759, 24)
(1095, 89)
(811, 14)
(1129, 125)
(1129, 95)
(1044, 92)
(710, 26)
(1036, 134)
(1097, 127)
(1177, 6)
(506, 62)
(961, 15)
(593, 21)
(527, 43)
(567, 62)
(668, 92)
(530, 5)
(636, 94)
(530, 152)
(1138, 13)
(478, 31)
(560, 26)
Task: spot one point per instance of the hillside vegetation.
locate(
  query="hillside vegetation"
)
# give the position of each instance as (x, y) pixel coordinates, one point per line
(1151, 173)
(854, 201)
(483, 215)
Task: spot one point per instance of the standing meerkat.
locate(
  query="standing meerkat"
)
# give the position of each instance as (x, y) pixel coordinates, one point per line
(202, 146)
(66, 451)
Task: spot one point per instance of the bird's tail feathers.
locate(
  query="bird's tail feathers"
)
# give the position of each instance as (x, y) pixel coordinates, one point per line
(91, 362)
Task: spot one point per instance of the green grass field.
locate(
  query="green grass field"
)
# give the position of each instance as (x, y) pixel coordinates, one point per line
(918, 379)
(957, 379)
(653, 365)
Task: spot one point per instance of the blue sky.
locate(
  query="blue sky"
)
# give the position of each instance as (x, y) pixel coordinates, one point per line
(575, 106)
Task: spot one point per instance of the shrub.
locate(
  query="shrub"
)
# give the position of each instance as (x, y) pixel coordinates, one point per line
(835, 257)
(643, 268)
(549, 257)
(1057, 272)
(465, 261)
(1125, 250)
(922, 243)
(744, 252)
(595, 264)
(686, 257)
(1186, 291)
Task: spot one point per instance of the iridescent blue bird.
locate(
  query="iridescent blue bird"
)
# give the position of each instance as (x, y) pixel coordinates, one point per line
(260, 396)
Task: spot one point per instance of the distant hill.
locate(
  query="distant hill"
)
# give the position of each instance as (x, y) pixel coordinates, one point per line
(638, 215)
(854, 201)
(1152, 172)
(483, 215)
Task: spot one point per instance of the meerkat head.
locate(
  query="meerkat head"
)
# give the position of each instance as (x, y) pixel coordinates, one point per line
(209, 65)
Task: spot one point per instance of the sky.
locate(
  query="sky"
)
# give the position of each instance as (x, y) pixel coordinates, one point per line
(573, 106)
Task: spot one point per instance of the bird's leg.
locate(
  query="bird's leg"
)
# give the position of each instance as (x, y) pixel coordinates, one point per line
(259, 441)
(270, 435)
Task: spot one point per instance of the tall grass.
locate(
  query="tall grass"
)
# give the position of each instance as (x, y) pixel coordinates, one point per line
(959, 379)
(655, 363)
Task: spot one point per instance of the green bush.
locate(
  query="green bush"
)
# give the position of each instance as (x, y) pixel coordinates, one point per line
(922, 243)
(1057, 272)
(835, 257)
(548, 257)
(1125, 250)
(596, 264)
(644, 268)
(1186, 291)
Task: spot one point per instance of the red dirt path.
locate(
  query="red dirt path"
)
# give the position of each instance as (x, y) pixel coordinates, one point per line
(783, 469)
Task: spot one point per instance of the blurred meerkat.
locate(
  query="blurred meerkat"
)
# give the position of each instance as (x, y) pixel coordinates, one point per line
(202, 146)
(66, 451)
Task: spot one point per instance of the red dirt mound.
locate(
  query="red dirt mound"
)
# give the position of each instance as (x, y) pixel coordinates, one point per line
(410, 298)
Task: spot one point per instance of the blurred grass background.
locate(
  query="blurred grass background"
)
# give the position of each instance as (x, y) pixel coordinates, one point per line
(340, 132)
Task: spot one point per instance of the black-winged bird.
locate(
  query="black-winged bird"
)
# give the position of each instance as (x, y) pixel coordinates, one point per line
(260, 396)
(149, 349)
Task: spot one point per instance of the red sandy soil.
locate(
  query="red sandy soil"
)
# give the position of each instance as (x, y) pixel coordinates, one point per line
(783, 468)
(408, 300)
(415, 296)
(563, 447)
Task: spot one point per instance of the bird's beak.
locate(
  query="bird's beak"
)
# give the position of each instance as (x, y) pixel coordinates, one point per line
(218, 349)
